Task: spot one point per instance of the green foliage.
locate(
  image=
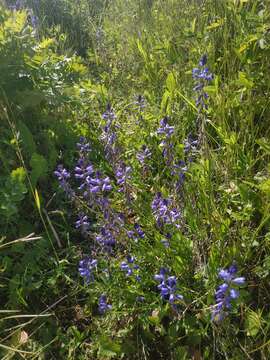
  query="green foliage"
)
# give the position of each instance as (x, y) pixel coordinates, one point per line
(48, 97)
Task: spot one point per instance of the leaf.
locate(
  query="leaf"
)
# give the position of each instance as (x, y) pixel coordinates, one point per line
(253, 323)
(37, 200)
(27, 138)
(170, 82)
(265, 186)
(244, 81)
(18, 174)
(264, 144)
(164, 101)
(39, 167)
(108, 348)
(215, 24)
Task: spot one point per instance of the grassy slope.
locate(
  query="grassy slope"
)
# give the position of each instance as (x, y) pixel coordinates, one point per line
(227, 191)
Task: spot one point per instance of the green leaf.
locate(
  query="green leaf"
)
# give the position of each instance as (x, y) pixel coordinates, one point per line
(18, 174)
(27, 139)
(244, 81)
(37, 200)
(264, 145)
(39, 167)
(170, 82)
(253, 323)
(108, 348)
(265, 186)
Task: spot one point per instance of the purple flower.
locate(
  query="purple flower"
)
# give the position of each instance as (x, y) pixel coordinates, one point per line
(63, 176)
(122, 174)
(108, 135)
(86, 267)
(139, 230)
(103, 306)
(164, 212)
(190, 145)
(98, 184)
(225, 293)
(165, 128)
(140, 102)
(129, 267)
(82, 223)
(106, 239)
(202, 76)
(166, 131)
(167, 287)
(83, 146)
(144, 154)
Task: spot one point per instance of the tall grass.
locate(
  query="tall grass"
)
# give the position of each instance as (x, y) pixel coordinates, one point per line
(149, 48)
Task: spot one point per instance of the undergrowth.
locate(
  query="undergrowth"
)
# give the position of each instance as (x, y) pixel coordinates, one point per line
(153, 117)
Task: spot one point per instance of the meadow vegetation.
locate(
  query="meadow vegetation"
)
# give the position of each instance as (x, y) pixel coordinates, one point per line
(135, 179)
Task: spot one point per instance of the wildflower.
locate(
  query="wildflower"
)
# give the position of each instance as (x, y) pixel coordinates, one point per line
(168, 287)
(82, 223)
(122, 174)
(63, 176)
(140, 298)
(129, 266)
(140, 102)
(202, 76)
(103, 306)
(86, 267)
(165, 128)
(98, 184)
(226, 292)
(109, 114)
(139, 230)
(106, 239)
(164, 211)
(108, 135)
(179, 169)
(83, 146)
(143, 154)
(190, 145)
(166, 131)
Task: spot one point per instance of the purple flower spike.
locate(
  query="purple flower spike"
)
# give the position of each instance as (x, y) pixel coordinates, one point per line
(86, 268)
(202, 76)
(103, 306)
(168, 287)
(225, 293)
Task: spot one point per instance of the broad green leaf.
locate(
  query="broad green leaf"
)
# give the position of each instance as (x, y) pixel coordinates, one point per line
(170, 82)
(253, 322)
(39, 167)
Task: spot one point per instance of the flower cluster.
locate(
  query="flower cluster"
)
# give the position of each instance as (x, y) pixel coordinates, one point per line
(109, 136)
(106, 239)
(226, 292)
(166, 131)
(115, 228)
(103, 306)
(82, 223)
(122, 174)
(137, 232)
(86, 267)
(202, 76)
(164, 211)
(143, 154)
(179, 170)
(98, 183)
(190, 145)
(168, 287)
(129, 267)
(63, 178)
